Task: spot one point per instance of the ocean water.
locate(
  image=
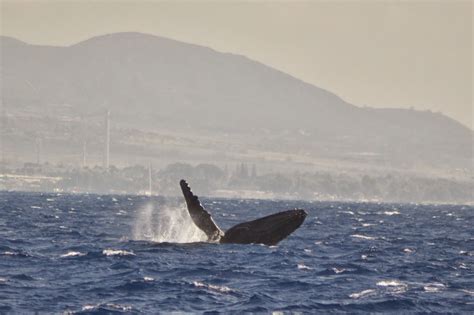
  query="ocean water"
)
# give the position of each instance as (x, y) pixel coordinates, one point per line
(92, 254)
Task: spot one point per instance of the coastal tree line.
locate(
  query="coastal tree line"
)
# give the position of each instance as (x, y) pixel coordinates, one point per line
(212, 180)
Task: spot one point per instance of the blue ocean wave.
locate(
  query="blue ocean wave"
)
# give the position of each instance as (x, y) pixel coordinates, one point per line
(91, 254)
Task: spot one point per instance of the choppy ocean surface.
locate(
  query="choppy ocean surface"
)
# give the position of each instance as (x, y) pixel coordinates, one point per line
(92, 254)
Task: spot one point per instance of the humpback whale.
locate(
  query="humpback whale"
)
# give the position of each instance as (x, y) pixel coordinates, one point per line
(268, 230)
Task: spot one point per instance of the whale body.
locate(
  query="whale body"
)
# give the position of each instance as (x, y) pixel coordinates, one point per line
(268, 230)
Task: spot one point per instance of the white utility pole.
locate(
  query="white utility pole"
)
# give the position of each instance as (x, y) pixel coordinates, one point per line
(107, 140)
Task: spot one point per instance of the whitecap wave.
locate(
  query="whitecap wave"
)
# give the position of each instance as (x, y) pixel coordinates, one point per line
(217, 288)
(10, 253)
(347, 212)
(117, 252)
(390, 283)
(434, 287)
(463, 266)
(304, 267)
(364, 237)
(393, 286)
(111, 306)
(361, 294)
(73, 254)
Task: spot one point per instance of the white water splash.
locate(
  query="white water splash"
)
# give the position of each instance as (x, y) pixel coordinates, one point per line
(166, 224)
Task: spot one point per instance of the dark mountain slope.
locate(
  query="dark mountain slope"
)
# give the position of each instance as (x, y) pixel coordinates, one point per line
(152, 82)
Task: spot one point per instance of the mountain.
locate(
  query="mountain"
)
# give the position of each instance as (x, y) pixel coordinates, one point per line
(154, 83)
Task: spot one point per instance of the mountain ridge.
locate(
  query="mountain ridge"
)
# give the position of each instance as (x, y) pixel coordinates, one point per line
(148, 80)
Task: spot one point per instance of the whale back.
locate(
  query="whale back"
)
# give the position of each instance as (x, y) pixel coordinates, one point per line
(268, 230)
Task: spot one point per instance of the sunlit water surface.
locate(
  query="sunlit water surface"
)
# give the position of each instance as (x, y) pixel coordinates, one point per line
(113, 254)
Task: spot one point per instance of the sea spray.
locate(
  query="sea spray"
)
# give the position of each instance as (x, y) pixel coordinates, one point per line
(166, 224)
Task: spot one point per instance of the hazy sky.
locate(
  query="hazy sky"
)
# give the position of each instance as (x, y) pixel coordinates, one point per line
(374, 53)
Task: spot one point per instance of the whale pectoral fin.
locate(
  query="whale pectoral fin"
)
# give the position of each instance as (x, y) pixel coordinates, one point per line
(199, 215)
